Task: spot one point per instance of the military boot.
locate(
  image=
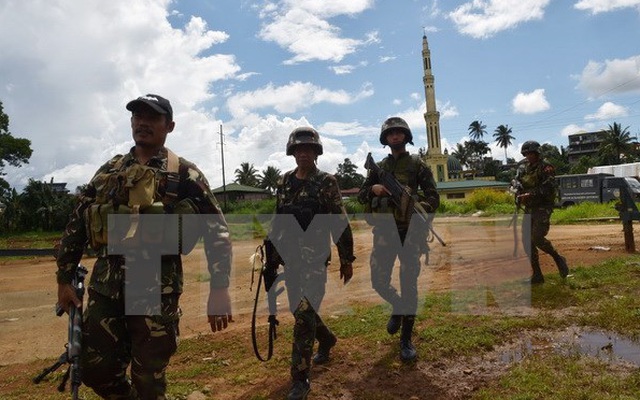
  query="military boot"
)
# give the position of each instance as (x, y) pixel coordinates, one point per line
(536, 277)
(326, 341)
(407, 349)
(393, 325)
(299, 390)
(563, 268)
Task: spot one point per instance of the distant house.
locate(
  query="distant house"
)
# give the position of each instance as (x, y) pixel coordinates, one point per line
(352, 192)
(460, 190)
(57, 187)
(237, 192)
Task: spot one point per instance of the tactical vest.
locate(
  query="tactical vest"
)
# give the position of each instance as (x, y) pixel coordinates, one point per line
(133, 190)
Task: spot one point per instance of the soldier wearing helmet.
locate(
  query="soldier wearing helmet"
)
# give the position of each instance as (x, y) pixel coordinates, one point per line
(313, 198)
(391, 221)
(536, 193)
(395, 124)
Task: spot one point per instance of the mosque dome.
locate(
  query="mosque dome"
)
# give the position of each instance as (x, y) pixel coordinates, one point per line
(453, 165)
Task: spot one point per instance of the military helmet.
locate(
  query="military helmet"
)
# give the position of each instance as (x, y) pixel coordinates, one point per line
(304, 135)
(530, 146)
(395, 123)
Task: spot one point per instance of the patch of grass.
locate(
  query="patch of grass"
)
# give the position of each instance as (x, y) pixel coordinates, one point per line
(552, 376)
(605, 296)
(575, 213)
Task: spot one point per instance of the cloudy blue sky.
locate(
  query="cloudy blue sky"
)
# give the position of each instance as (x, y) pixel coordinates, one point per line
(545, 68)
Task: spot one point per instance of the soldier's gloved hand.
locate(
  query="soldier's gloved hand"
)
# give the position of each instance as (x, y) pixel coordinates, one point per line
(346, 272)
(270, 276)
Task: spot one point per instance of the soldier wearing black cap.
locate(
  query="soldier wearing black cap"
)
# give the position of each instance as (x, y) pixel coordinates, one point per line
(536, 192)
(118, 332)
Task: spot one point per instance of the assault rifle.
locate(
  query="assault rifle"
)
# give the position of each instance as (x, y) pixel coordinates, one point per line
(71, 355)
(400, 194)
(269, 274)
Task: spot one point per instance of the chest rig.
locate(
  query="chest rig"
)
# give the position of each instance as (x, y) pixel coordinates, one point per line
(131, 188)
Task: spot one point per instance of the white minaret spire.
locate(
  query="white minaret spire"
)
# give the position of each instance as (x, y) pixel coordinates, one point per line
(434, 157)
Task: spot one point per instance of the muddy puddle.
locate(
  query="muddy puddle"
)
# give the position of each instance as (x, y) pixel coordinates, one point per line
(604, 345)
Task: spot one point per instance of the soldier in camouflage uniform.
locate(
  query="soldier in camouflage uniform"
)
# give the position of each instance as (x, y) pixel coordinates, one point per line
(113, 338)
(309, 215)
(536, 193)
(411, 171)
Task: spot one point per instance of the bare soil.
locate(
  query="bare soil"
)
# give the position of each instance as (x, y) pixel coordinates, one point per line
(478, 251)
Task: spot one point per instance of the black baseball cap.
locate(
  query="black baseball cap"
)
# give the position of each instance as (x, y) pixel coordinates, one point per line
(158, 103)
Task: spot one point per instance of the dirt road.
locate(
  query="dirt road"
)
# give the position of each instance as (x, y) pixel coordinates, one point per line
(478, 252)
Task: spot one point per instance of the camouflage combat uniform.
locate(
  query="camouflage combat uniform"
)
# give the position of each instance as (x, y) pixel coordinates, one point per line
(306, 256)
(112, 339)
(539, 181)
(413, 173)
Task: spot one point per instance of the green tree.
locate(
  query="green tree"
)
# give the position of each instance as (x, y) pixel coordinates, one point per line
(477, 130)
(12, 215)
(461, 152)
(247, 175)
(616, 142)
(269, 178)
(503, 137)
(557, 157)
(347, 175)
(477, 150)
(583, 165)
(13, 151)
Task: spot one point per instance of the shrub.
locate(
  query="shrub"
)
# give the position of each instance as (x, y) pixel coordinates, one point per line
(482, 199)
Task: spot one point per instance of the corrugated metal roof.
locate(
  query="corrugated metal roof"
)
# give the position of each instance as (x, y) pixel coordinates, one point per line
(471, 184)
(236, 187)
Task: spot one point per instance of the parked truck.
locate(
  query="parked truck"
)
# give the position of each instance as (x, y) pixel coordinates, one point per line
(620, 170)
(597, 188)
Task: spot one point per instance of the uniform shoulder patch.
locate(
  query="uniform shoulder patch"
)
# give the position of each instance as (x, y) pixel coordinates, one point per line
(549, 169)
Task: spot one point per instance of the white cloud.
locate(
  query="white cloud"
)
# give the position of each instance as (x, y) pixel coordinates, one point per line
(342, 69)
(573, 128)
(530, 103)
(290, 98)
(608, 111)
(78, 63)
(301, 27)
(447, 110)
(385, 59)
(485, 18)
(600, 6)
(344, 129)
(611, 76)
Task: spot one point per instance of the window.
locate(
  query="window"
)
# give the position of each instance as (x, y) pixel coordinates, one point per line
(586, 183)
(455, 195)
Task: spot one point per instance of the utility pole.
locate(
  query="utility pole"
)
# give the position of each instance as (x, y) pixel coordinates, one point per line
(224, 186)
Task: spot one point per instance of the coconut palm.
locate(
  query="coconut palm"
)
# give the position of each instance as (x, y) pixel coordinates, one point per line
(503, 137)
(269, 178)
(616, 141)
(461, 152)
(247, 175)
(477, 130)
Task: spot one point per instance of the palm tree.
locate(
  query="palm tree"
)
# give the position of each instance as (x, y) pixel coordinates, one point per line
(461, 152)
(616, 141)
(503, 137)
(269, 178)
(247, 175)
(477, 130)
